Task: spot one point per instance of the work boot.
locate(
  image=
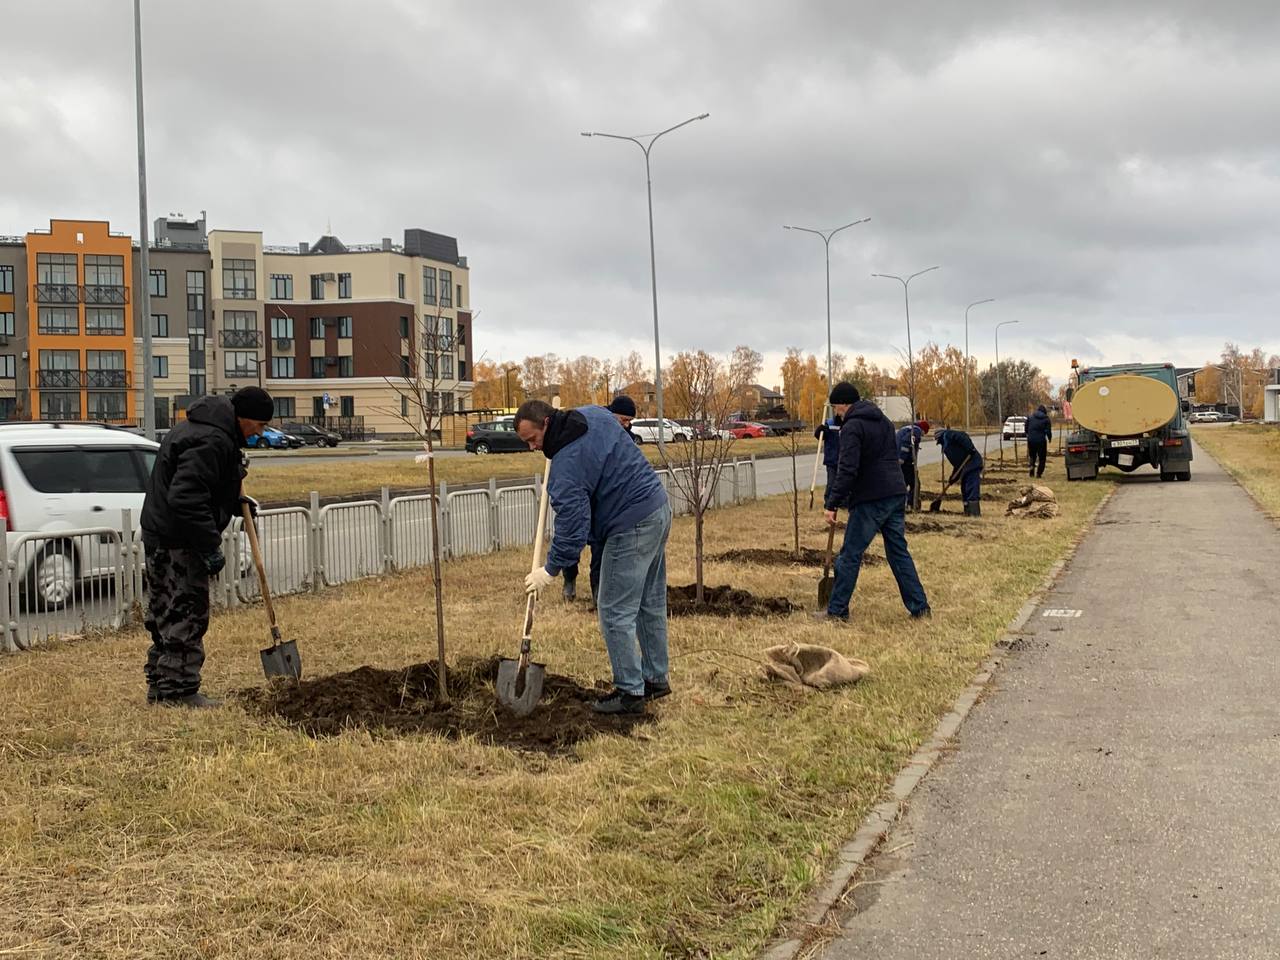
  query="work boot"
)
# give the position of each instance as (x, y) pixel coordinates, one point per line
(192, 701)
(656, 691)
(823, 616)
(973, 509)
(925, 614)
(619, 702)
(571, 590)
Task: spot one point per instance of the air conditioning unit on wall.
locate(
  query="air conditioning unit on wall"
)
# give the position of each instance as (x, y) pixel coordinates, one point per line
(284, 343)
(328, 277)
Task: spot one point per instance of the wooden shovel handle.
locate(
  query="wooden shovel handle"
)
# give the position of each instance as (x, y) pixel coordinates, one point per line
(251, 529)
(526, 638)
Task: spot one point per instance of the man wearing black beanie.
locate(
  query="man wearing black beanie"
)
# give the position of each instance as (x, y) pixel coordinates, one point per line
(192, 495)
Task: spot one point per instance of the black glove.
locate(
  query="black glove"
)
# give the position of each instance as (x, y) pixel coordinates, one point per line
(253, 505)
(214, 562)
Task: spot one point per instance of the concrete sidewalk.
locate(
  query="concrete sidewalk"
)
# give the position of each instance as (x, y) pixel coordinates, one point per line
(1115, 794)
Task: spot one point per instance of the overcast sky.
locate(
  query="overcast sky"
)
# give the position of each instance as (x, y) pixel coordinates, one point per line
(1109, 172)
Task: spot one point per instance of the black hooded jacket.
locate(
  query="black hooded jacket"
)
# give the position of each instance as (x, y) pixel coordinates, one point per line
(194, 488)
(1039, 427)
(868, 468)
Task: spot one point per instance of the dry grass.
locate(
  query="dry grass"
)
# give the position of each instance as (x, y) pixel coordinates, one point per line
(293, 480)
(1250, 453)
(136, 832)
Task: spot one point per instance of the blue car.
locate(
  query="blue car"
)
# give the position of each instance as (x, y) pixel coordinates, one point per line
(274, 439)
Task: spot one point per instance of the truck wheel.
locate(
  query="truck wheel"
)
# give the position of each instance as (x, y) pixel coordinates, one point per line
(1166, 477)
(1185, 475)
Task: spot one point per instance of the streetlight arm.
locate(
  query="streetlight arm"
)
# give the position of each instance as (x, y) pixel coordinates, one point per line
(848, 225)
(663, 133)
(921, 273)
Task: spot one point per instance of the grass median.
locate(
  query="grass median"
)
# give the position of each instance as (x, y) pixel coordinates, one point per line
(141, 832)
(1249, 452)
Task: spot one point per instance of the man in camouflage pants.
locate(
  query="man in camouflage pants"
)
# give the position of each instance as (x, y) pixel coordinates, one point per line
(192, 495)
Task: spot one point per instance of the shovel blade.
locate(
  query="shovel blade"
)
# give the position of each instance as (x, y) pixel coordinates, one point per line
(825, 586)
(936, 506)
(519, 690)
(282, 660)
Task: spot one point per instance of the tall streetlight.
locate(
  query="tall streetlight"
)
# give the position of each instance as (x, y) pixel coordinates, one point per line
(826, 236)
(966, 357)
(144, 244)
(999, 396)
(653, 261)
(911, 372)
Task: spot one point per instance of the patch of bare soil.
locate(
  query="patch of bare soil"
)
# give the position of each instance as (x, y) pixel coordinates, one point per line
(809, 556)
(403, 702)
(724, 602)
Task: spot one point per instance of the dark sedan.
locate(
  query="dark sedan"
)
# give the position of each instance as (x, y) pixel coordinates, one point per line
(494, 437)
(314, 436)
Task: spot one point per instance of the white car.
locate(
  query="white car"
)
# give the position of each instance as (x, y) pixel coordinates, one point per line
(1015, 427)
(646, 431)
(1205, 416)
(63, 477)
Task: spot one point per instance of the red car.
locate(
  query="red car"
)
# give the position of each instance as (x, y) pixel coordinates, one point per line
(741, 430)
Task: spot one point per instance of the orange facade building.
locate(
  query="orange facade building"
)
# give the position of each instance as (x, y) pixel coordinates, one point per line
(80, 340)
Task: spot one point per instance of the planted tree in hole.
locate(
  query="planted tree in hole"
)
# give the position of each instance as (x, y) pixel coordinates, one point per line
(792, 376)
(420, 410)
(702, 388)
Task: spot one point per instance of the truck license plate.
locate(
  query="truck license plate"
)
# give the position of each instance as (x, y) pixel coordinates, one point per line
(1124, 443)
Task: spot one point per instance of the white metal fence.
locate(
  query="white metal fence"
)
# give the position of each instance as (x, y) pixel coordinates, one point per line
(72, 582)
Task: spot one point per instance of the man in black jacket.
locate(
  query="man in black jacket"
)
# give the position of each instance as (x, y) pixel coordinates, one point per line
(192, 495)
(1039, 433)
(958, 449)
(869, 483)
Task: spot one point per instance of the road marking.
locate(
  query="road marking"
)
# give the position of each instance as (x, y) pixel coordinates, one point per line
(1058, 612)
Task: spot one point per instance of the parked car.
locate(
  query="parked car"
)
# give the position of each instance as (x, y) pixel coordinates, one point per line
(494, 436)
(1015, 428)
(1227, 418)
(65, 477)
(273, 439)
(744, 430)
(646, 431)
(315, 436)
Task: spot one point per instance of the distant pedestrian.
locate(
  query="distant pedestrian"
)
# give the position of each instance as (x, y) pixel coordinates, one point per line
(1039, 433)
(908, 438)
(966, 465)
(192, 495)
(869, 484)
(829, 432)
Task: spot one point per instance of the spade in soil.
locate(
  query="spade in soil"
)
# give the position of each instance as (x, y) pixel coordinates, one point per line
(827, 583)
(936, 506)
(519, 684)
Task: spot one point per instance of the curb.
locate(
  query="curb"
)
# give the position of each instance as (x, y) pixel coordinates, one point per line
(880, 820)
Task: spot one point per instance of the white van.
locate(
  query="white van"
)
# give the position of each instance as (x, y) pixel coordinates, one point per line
(68, 476)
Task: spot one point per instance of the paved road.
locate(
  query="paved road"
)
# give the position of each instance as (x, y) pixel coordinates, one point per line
(1114, 794)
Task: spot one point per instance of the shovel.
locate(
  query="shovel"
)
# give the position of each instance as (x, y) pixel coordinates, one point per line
(936, 506)
(827, 582)
(281, 659)
(519, 682)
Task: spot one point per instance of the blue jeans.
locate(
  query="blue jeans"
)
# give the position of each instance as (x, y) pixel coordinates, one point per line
(632, 602)
(971, 481)
(887, 518)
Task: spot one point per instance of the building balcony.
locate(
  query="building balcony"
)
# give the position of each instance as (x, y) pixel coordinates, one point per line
(81, 379)
(108, 379)
(242, 339)
(57, 293)
(102, 295)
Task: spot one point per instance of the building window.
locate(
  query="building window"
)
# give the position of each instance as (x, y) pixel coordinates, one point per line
(160, 325)
(344, 328)
(431, 369)
(103, 270)
(428, 284)
(196, 384)
(239, 279)
(195, 293)
(159, 283)
(57, 268)
(446, 403)
(459, 300)
(8, 366)
(6, 281)
(60, 360)
(196, 341)
(317, 367)
(462, 369)
(446, 288)
(282, 367)
(346, 367)
(347, 406)
(404, 328)
(104, 321)
(106, 406)
(239, 320)
(446, 366)
(399, 283)
(6, 324)
(240, 363)
(406, 371)
(59, 406)
(286, 408)
(344, 286)
(317, 328)
(317, 287)
(160, 366)
(59, 320)
(282, 286)
(404, 406)
(282, 328)
(105, 369)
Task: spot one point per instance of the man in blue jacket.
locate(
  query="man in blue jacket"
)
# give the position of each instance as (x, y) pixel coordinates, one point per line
(604, 491)
(1039, 433)
(966, 465)
(869, 483)
(909, 438)
(830, 434)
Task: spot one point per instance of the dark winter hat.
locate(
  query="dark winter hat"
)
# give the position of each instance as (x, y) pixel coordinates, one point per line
(923, 425)
(845, 393)
(253, 403)
(623, 406)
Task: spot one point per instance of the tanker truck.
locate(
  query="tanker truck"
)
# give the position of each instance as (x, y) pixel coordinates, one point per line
(1127, 416)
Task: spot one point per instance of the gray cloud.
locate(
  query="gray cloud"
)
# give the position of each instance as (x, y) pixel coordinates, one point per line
(1107, 172)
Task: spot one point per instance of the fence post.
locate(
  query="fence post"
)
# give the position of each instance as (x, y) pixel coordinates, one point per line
(495, 518)
(124, 568)
(442, 510)
(228, 579)
(755, 490)
(8, 643)
(317, 544)
(388, 545)
(737, 487)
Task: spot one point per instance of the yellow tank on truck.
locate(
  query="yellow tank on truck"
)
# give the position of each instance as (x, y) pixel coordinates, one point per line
(1124, 405)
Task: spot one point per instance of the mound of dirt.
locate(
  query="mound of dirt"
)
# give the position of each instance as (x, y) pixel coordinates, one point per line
(724, 602)
(399, 702)
(809, 556)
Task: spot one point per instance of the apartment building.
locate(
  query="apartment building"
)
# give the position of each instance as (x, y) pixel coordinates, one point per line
(14, 397)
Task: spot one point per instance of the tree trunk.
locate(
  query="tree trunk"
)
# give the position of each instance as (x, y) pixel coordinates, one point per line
(795, 494)
(700, 594)
(442, 685)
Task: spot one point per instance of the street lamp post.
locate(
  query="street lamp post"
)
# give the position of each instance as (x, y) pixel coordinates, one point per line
(911, 373)
(999, 395)
(653, 261)
(826, 236)
(144, 243)
(966, 358)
